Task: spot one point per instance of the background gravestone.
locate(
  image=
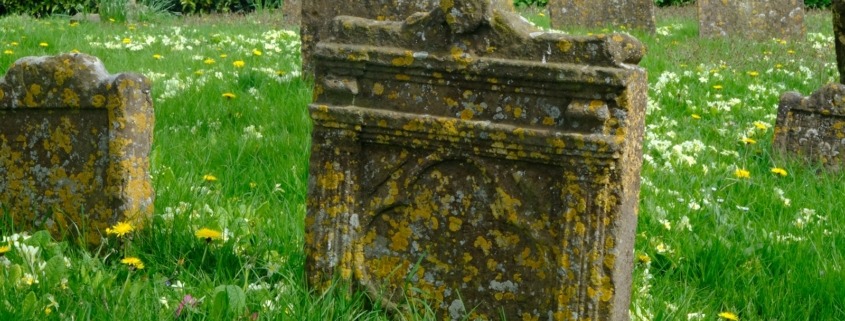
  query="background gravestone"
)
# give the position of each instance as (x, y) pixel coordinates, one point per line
(468, 159)
(632, 14)
(754, 19)
(292, 11)
(838, 8)
(74, 145)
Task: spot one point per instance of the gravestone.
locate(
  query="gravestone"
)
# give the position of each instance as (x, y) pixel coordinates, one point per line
(752, 19)
(813, 127)
(838, 8)
(631, 14)
(74, 146)
(292, 11)
(465, 158)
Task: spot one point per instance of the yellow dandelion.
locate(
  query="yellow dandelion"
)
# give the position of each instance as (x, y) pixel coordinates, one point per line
(696, 116)
(778, 171)
(281, 72)
(208, 234)
(111, 20)
(74, 23)
(209, 178)
(48, 311)
(133, 262)
(43, 44)
(127, 41)
(8, 52)
(256, 52)
(157, 57)
(729, 316)
(199, 72)
(761, 125)
(541, 14)
(778, 66)
(748, 141)
(644, 258)
(717, 87)
(208, 61)
(239, 64)
(223, 56)
(229, 95)
(753, 73)
(253, 184)
(76, 51)
(120, 229)
(4, 249)
(742, 173)
(790, 51)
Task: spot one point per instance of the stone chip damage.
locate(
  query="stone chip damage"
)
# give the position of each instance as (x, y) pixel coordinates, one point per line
(465, 158)
(74, 146)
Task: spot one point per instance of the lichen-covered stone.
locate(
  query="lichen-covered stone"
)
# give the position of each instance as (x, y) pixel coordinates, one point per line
(318, 14)
(753, 19)
(631, 14)
(838, 8)
(485, 166)
(74, 145)
(813, 127)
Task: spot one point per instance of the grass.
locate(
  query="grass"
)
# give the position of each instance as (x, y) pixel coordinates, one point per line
(765, 247)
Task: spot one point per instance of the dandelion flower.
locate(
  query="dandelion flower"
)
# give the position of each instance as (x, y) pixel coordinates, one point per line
(208, 234)
(717, 87)
(133, 262)
(208, 61)
(43, 44)
(8, 52)
(742, 173)
(14, 43)
(644, 258)
(74, 23)
(761, 125)
(4, 249)
(223, 56)
(157, 57)
(778, 171)
(753, 73)
(790, 51)
(749, 141)
(256, 52)
(729, 316)
(127, 41)
(209, 178)
(120, 229)
(239, 64)
(696, 116)
(229, 95)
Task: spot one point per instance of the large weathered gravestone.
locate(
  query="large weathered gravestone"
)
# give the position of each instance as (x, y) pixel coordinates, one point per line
(632, 14)
(465, 158)
(74, 145)
(753, 19)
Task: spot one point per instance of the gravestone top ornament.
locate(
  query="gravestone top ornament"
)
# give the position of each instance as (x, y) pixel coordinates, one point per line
(464, 158)
(74, 146)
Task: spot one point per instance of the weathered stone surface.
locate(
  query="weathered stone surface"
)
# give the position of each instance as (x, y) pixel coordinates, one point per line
(292, 11)
(838, 8)
(753, 19)
(317, 16)
(632, 14)
(813, 127)
(74, 145)
(492, 166)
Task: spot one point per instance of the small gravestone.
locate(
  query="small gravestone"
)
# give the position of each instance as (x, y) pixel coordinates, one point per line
(631, 14)
(292, 11)
(753, 19)
(74, 146)
(465, 158)
(813, 127)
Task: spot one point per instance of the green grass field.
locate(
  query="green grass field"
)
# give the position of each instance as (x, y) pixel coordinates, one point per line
(719, 232)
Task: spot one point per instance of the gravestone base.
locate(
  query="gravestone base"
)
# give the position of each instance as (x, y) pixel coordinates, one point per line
(813, 127)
